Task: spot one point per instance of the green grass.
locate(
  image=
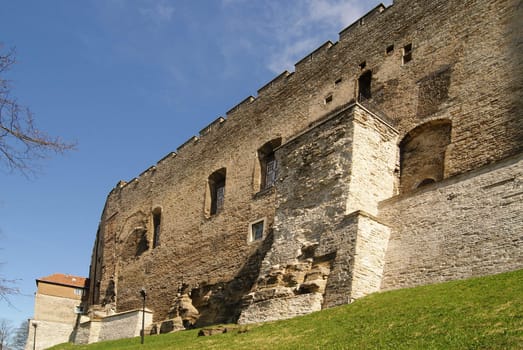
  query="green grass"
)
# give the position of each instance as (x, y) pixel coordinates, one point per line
(480, 313)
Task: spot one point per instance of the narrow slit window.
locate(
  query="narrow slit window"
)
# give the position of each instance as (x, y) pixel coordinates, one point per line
(157, 224)
(407, 53)
(328, 99)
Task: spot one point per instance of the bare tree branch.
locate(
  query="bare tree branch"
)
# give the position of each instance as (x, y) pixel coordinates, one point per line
(21, 142)
(7, 288)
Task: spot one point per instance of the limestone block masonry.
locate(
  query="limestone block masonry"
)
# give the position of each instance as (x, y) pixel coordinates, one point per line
(388, 159)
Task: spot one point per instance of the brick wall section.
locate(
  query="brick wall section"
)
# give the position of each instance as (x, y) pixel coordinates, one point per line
(48, 334)
(315, 169)
(124, 325)
(281, 308)
(373, 163)
(471, 225)
(476, 40)
(324, 172)
(55, 309)
(369, 258)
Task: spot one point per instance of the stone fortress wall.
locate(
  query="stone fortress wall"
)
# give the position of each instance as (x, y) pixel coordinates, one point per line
(417, 93)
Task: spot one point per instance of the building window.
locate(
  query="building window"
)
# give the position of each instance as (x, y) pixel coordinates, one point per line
(389, 49)
(256, 230)
(364, 86)
(157, 224)
(79, 310)
(268, 164)
(407, 53)
(79, 292)
(217, 191)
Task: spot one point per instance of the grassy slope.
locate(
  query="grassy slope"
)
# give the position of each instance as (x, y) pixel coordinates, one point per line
(480, 313)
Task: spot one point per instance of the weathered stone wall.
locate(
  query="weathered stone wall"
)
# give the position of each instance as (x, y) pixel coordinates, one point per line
(469, 225)
(122, 325)
(369, 256)
(48, 334)
(55, 309)
(317, 249)
(281, 308)
(464, 58)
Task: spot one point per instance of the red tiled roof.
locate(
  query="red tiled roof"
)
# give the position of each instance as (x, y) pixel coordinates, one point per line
(66, 280)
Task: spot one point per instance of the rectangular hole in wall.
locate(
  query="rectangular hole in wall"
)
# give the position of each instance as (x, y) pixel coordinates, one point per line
(389, 49)
(328, 99)
(337, 81)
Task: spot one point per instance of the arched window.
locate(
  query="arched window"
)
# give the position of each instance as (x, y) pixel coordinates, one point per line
(216, 191)
(422, 154)
(364, 86)
(157, 224)
(267, 164)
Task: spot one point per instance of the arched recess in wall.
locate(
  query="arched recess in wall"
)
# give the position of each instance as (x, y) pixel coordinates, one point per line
(135, 244)
(215, 193)
(266, 168)
(422, 154)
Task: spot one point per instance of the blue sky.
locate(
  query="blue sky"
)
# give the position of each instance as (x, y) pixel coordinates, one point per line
(130, 80)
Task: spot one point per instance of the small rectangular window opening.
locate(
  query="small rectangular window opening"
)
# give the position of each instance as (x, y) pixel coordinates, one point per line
(407, 53)
(389, 49)
(337, 81)
(256, 231)
(328, 99)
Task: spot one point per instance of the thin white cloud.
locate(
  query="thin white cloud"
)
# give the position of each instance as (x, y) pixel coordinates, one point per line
(292, 29)
(285, 59)
(335, 13)
(306, 27)
(157, 10)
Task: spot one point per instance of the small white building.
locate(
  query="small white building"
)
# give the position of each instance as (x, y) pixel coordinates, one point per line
(59, 306)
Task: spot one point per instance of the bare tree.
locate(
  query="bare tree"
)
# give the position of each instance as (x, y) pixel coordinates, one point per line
(6, 330)
(21, 143)
(19, 337)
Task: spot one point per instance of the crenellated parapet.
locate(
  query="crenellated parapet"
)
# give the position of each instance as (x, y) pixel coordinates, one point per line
(365, 20)
(308, 62)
